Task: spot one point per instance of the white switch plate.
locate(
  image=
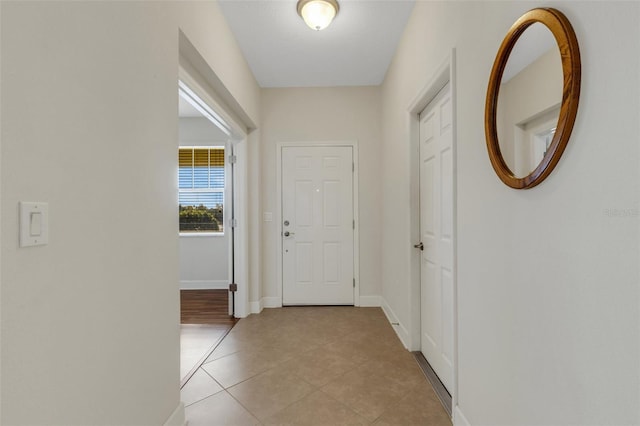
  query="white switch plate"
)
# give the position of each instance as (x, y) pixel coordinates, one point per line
(267, 216)
(34, 224)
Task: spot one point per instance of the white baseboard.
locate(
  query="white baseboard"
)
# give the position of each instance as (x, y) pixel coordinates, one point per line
(271, 302)
(370, 301)
(177, 418)
(256, 307)
(399, 328)
(204, 285)
(458, 418)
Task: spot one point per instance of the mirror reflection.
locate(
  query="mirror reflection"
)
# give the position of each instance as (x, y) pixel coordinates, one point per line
(529, 100)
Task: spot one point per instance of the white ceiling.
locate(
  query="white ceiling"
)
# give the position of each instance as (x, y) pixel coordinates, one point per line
(355, 50)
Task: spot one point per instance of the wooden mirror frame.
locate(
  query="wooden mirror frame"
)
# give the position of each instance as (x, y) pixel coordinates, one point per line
(567, 42)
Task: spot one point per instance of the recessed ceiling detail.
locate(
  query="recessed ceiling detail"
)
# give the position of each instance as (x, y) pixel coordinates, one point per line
(355, 50)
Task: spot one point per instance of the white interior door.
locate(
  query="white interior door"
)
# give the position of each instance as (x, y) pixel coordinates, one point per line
(437, 235)
(317, 225)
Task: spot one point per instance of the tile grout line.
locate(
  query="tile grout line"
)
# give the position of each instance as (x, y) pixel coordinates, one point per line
(346, 406)
(213, 378)
(243, 406)
(202, 360)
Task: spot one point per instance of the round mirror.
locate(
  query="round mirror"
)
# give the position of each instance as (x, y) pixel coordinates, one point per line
(532, 98)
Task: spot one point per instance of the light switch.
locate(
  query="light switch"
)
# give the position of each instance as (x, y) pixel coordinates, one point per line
(267, 216)
(34, 224)
(35, 227)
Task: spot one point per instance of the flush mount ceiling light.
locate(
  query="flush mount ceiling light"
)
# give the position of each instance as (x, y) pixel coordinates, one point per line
(318, 14)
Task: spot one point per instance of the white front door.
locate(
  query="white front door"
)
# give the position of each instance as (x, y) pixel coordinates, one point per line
(437, 235)
(317, 225)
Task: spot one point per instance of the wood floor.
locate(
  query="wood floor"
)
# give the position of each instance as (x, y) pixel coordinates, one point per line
(205, 307)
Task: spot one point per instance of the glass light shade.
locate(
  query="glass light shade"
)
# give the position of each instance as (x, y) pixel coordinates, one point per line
(318, 14)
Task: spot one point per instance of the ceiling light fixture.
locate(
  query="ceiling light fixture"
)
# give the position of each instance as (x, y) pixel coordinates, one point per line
(318, 14)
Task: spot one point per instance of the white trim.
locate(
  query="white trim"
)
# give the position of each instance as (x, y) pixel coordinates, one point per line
(256, 307)
(445, 73)
(398, 327)
(454, 127)
(240, 232)
(177, 418)
(356, 234)
(265, 302)
(278, 220)
(271, 302)
(222, 119)
(370, 301)
(356, 218)
(229, 185)
(218, 145)
(194, 100)
(458, 418)
(201, 234)
(204, 285)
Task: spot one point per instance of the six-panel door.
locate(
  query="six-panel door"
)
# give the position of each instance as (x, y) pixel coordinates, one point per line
(437, 234)
(317, 225)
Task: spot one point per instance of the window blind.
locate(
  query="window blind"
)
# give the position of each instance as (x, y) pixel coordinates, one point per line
(201, 186)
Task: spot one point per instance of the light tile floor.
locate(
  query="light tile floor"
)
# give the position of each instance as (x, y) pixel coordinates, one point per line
(312, 366)
(196, 342)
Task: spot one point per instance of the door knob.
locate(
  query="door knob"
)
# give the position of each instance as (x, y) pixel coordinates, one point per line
(419, 246)
(287, 233)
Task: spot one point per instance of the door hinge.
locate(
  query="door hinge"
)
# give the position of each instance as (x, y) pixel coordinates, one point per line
(233, 223)
(354, 283)
(233, 287)
(233, 159)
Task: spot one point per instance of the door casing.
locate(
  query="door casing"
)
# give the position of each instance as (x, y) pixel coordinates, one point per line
(278, 218)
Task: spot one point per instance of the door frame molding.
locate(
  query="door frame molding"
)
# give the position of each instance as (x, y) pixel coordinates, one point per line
(356, 233)
(445, 73)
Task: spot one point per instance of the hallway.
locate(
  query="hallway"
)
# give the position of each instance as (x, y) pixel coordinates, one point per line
(312, 366)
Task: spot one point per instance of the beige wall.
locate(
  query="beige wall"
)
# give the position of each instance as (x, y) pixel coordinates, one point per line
(318, 115)
(89, 124)
(547, 278)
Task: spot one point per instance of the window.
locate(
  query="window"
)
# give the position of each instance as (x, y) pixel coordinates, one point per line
(201, 189)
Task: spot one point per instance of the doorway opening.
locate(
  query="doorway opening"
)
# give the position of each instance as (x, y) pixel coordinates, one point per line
(224, 205)
(205, 199)
(206, 229)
